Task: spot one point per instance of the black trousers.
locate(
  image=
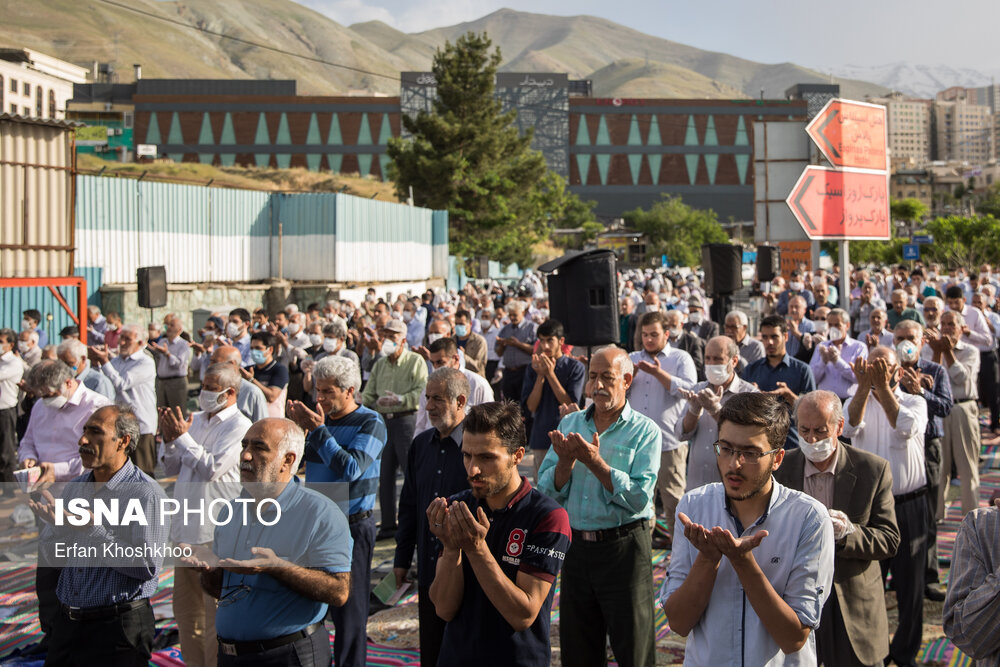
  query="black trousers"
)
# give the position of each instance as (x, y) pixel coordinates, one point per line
(431, 628)
(932, 464)
(311, 651)
(607, 591)
(988, 393)
(46, 580)
(350, 642)
(8, 445)
(833, 646)
(118, 641)
(399, 435)
(511, 384)
(908, 567)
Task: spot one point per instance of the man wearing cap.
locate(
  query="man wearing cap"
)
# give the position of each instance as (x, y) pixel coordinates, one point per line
(698, 322)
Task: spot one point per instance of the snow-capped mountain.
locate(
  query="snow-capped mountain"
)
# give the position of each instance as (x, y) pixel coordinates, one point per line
(916, 80)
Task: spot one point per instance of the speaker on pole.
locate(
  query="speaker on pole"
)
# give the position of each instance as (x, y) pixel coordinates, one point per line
(723, 265)
(152, 286)
(768, 263)
(583, 295)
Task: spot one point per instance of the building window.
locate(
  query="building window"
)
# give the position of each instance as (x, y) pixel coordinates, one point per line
(13, 85)
(27, 89)
(39, 98)
(52, 104)
(26, 112)
(13, 109)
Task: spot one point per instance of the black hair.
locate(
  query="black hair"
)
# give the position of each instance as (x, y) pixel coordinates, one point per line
(551, 328)
(500, 418)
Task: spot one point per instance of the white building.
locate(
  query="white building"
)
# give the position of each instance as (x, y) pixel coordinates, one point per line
(35, 85)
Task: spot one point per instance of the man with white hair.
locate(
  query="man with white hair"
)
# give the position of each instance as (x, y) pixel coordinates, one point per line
(515, 343)
(736, 327)
(832, 359)
(345, 445)
(444, 353)
(249, 399)
(28, 348)
(172, 354)
(133, 374)
(203, 451)
(96, 325)
(73, 353)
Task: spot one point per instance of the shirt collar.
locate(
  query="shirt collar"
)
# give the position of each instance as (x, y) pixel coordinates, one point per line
(626, 414)
(78, 394)
(811, 470)
(778, 493)
(120, 477)
(456, 433)
(225, 414)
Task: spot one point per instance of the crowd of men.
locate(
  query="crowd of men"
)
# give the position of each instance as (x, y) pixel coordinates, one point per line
(794, 470)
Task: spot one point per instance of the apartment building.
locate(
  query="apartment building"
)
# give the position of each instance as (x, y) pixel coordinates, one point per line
(35, 85)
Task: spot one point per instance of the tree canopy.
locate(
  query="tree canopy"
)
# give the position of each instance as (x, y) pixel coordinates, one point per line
(674, 229)
(467, 157)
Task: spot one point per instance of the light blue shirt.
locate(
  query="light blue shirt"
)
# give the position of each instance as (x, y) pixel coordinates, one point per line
(794, 344)
(631, 447)
(837, 376)
(97, 382)
(796, 557)
(134, 379)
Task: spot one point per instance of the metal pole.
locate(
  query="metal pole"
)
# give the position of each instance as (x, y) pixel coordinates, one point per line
(281, 252)
(845, 280)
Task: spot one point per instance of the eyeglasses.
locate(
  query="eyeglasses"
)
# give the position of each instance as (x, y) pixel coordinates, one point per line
(745, 455)
(235, 595)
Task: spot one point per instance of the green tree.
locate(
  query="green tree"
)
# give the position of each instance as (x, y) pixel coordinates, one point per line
(990, 204)
(468, 158)
(674, 229)
(962, 241)
(908, 210)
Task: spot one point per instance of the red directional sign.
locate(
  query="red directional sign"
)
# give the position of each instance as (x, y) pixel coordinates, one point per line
(851, 134)
(841, 204)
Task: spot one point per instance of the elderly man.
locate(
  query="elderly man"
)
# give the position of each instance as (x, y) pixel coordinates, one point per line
(204, 453)
(97, 325)
(11, 372)
(663, 374)
(750, 348)
(698, 321)
(901, 311)
(515, 344)
(922, 377)
(250, 399)
(133, 374)
(274, 589)
(626, 322)
(796, 287)
(680, 339)
(51, 442)
(833, 359)
(602, 468)
(345, 446)
(28, 348)
(933, 308)
(856, 489)
(754, 555)
(699, 426)
(415, 325)
(877, 334)
(173, 354)
(862, 307)
(472, 344)
(444, 354)
(73, 353)
(394, 389)
(106, 617)
(884, 421)
(496, 604)
(800, 329)
(821, 296)
(961, 442)
(435, 469)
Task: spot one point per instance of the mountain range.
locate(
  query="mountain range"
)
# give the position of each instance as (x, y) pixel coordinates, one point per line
(917, 80)
(181, 39)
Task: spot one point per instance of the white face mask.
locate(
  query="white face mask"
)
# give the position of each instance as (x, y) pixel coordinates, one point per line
(389, 347)
(817, 451)
(23, 346)
(821, 326)
(675, 333)
(210, 401)
(331, 345)
(26, 325)
(796, 286)
(407, 316)
(433, 337)
(55, 402)
(294, 328)
(695, 317)
(233, 330)
(315, 339)
(836, 333)
(906, 351)
(717, 374)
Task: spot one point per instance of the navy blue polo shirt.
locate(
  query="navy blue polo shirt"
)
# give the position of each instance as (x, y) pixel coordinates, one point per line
(794, 373)
(532, 535)
(272, 375)
(571, 375)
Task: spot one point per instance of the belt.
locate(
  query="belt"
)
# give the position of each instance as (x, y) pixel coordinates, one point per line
(608, 534)
(98, 613)
(248, 648)
(912, 495)
(171, 377)
(514, 369)
(966, 400)
(360, 516)
(396, 415)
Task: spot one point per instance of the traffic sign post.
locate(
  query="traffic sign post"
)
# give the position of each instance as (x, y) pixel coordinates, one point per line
(911, 251)
(851, 134)
(923, 239)
(841, 204)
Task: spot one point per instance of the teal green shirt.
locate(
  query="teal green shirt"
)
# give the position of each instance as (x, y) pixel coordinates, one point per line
(631, 448)
(406, 378)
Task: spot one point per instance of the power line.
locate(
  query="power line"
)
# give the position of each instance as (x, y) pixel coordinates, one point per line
(223, 35)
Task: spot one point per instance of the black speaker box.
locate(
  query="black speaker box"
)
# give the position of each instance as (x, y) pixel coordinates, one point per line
(152, 286)
(768, 263)
(583, 295)
(723, 263)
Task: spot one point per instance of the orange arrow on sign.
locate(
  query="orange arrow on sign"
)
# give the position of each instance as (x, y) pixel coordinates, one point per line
(851, 134)
(836, 204)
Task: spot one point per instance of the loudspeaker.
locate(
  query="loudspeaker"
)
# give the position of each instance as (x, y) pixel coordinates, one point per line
(152, 286)
(768, 263)
(723, 263)
(583, 295)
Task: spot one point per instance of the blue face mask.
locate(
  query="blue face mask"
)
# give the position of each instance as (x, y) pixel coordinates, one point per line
(461, 330)
(258, 356)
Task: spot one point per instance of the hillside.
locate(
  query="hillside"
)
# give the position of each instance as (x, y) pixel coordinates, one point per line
(621, 61)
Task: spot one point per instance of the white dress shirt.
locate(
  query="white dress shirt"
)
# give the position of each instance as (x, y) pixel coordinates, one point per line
(979, 332)
(480, 392)
(648, 397)
(175, 363)
(902, 446)
(206, 460)
(54, 435)
(11, 372)
(134, 378)
(964, 373)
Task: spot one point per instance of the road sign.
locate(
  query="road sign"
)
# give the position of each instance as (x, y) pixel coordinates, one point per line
(851, 134)
(841, 204)
(924, 239)
(911, 251)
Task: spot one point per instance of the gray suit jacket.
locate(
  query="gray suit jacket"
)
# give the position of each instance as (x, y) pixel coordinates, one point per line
(862, 489)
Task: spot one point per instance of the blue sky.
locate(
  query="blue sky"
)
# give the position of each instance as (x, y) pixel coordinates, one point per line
(806, 32)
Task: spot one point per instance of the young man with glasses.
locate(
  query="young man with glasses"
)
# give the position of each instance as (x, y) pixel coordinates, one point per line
(751, 550)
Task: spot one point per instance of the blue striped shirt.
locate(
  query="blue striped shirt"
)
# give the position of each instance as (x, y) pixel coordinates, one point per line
(631, 448)
(348, 450)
